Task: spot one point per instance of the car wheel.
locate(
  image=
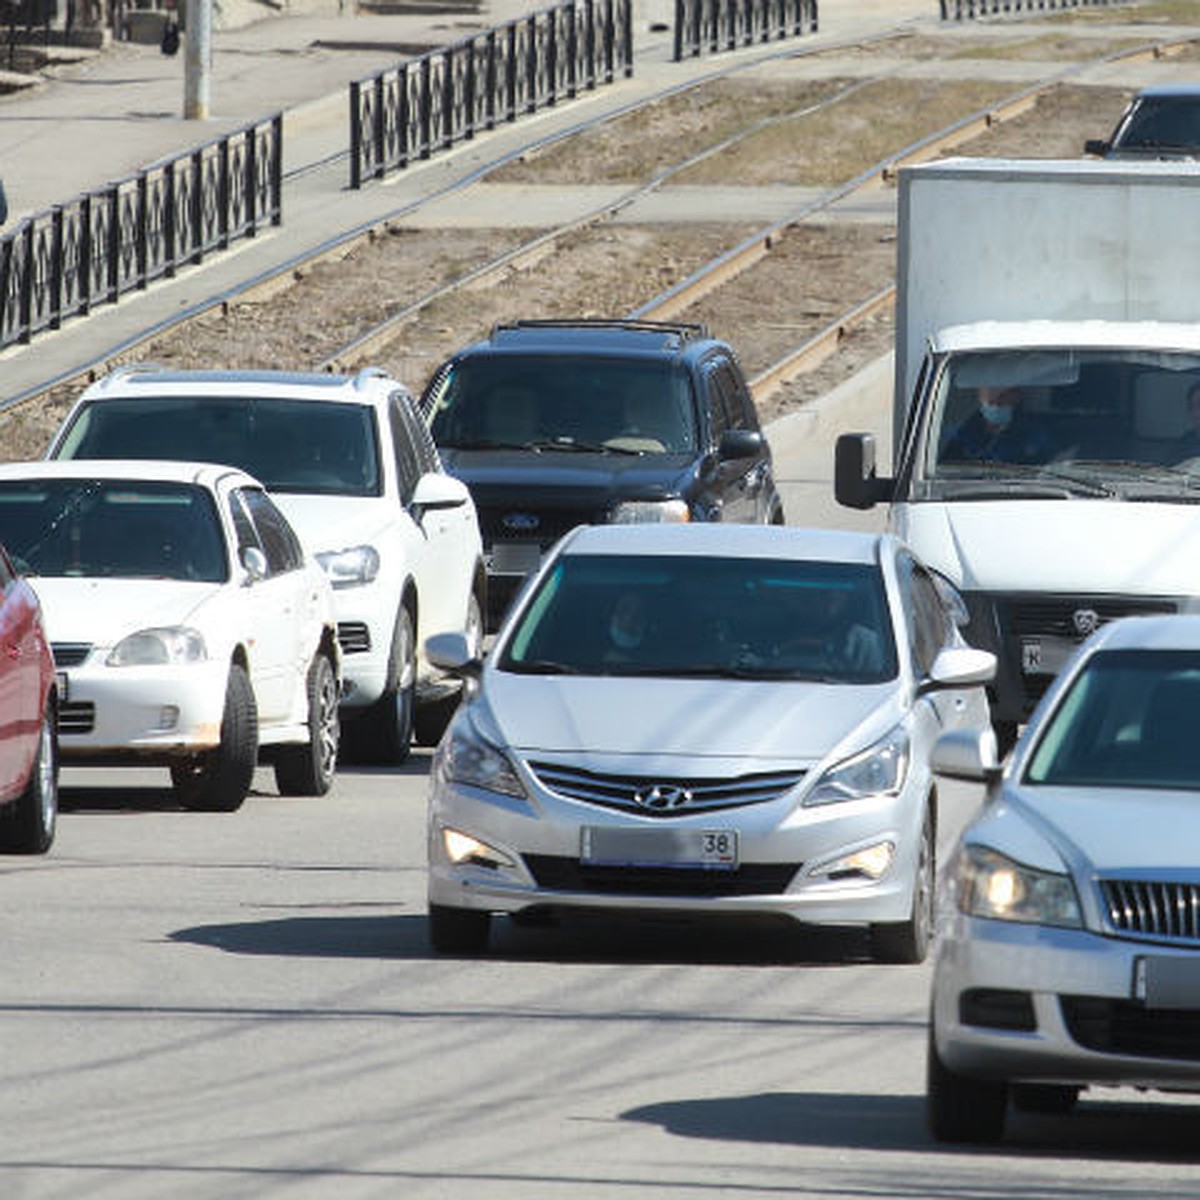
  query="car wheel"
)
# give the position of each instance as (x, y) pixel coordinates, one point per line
(308, 770)
(28, 827)
(383, 734)
(908, 941)
(458, 930)
(1049, 1099)
(218, 780)
(958, 1109)
(430, 720)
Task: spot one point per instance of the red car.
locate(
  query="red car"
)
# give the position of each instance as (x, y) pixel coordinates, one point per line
(28, 720)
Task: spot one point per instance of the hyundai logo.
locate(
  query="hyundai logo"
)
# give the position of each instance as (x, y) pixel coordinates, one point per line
(520, 522)
(663, 797)
(1086, 621)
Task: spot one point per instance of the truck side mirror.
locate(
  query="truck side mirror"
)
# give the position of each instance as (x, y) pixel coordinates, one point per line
(855, 484)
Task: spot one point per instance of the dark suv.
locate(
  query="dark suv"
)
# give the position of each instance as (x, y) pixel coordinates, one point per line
(1159, 122)
(553, 424)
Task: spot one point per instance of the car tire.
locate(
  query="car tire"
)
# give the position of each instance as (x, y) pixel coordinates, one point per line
(430, 720)
(458, 930)
(308, 769)
(383, 733)
(28, 826)
(959, 1109)
(1047, 1099)
(218, 780)
(908, 941)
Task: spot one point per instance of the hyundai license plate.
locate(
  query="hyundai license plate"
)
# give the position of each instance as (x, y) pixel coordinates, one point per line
(699, 849)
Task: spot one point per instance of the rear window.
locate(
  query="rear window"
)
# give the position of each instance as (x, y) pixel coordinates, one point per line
(288, 445)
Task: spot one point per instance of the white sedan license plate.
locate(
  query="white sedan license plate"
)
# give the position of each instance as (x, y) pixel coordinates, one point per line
(1167, 981)
(699, 849)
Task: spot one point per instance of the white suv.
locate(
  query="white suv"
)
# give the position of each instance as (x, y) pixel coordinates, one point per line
(354, 469)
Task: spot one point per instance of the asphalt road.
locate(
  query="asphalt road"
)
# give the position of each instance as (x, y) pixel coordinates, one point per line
(244, 1005)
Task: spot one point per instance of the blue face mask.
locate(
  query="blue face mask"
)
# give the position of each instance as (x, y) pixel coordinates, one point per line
(999, 415)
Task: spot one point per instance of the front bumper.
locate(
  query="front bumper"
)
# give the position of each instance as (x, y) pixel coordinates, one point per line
(1028, 1003)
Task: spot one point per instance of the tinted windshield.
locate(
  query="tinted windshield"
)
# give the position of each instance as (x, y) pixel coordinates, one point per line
(1161, 123)
(1038, 415)
(112, 528)
(680, 616)
(1129, 721)
(602, 403)
(288, 445)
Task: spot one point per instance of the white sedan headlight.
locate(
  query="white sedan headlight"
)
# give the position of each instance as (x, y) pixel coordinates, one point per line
(159, 647)
(466, 756)
(879, 770)
(650, 512)
(352, 567)
(990, 884)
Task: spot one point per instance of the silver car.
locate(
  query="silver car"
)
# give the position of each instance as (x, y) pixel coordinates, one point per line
(1068, 950)
(700, 720)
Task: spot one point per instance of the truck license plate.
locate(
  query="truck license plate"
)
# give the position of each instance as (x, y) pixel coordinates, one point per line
(1045, 655)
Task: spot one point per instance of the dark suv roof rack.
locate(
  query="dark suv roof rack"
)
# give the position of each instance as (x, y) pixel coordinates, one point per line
(684, 330)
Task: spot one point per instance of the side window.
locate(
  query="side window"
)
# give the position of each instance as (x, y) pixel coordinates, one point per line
(243, 527)
(739, 408)
(929, 624)
(277, 538)
(718, 416)
(407, 449)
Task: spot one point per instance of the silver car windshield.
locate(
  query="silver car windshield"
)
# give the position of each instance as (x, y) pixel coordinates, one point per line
(681, 616)
(1128, 721)
(304, 446)
(116, 529)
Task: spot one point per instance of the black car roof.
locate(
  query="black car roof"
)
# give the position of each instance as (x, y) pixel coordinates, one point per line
(624, 337)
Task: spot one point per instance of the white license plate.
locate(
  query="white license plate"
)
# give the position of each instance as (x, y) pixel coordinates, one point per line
(1045, 656)
(700, 849)
(1167, 982)
(515, 558)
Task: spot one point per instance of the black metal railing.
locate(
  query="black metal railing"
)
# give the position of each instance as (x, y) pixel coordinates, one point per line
(427, 104)
(64, 261)
(958, 9)
(709, 26)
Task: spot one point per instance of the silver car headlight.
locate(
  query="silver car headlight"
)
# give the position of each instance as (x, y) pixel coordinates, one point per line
(879, 770)
(159, 647)
(352, 567)
(990, 884)
(465, 756)
(650, 512)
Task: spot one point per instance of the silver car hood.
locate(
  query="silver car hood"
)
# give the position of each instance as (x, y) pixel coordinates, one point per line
(776, 722)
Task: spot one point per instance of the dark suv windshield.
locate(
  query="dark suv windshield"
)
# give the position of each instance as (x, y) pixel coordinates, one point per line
(572, 401)
(288, 445)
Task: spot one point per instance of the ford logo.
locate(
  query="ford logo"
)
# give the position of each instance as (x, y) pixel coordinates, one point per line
(663, 797)
(520, 522)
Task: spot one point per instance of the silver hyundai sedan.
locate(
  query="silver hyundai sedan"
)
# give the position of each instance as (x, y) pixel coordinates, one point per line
(1068, 949)
(704, 719)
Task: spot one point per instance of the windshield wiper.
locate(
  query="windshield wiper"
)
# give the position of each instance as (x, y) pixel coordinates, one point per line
(570, 444)
(540, 666)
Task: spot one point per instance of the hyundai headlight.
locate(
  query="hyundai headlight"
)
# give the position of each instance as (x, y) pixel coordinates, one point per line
(650, 512)
(159, 647)
(352, 567)
(879, 770)
(991, 884)
(465, 756)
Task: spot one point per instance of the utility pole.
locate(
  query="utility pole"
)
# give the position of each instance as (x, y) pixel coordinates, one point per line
(197, 59)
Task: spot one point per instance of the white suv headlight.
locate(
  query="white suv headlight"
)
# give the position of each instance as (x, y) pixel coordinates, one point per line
(158, 647)
(879, 770)
(649, 512)
(990, 884)
(352, 567)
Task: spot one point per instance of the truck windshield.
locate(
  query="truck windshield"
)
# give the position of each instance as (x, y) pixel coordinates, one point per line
(1063, 422)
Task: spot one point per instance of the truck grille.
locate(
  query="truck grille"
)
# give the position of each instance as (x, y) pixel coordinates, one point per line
(1153, 909)
(1054, 616)
(675, 797)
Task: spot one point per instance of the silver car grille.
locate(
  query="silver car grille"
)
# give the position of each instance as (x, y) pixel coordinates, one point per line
(1153, 908)
(663, 796)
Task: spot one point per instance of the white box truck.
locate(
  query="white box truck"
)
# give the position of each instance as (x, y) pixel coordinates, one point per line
(1046, 460)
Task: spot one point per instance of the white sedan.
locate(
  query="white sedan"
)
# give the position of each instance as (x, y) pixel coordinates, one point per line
(189, 627)
(705, 720)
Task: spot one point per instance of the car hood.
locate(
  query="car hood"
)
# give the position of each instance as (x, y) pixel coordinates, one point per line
(499, 476)
(334, 522)
(1118, 548)
(102, 611)
(772, 723)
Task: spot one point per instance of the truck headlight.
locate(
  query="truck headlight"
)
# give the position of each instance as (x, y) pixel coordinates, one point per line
(352, 567)
(990, 884)
(649, 512)
(158, 647)
(879, 770)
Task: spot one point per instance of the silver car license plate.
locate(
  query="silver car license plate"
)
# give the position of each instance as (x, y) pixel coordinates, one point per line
(700, 849)
(1160, 981)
